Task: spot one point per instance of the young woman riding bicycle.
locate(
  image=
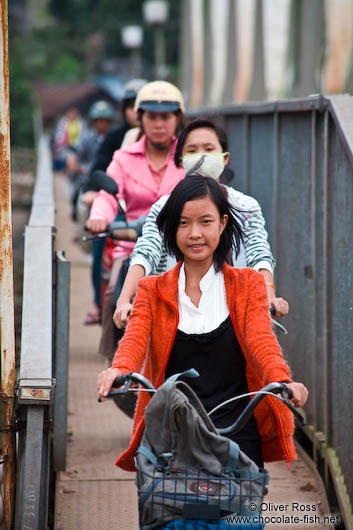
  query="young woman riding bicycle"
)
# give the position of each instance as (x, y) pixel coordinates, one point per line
(207, 315)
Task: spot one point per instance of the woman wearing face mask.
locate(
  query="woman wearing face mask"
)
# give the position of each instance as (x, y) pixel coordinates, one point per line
(204, 145)
(144, 172)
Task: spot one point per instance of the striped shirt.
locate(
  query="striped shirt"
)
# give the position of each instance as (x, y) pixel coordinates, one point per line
(255, 251)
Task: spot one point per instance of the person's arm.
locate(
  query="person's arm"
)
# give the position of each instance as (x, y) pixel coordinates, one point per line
(144, 258)
(257, 248)
(105, 206)
(149, 247)
(262, 344)
(133, 347)
(280, 304)
(104, 210)
(123, 304)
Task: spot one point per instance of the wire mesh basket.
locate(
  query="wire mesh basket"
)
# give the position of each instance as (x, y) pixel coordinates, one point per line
(169, 499)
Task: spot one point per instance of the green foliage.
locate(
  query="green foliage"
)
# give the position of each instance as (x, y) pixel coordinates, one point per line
(59, 50)
(21, 100)
(113, 15)
(67, 68)
(37, 57)
(53, 56)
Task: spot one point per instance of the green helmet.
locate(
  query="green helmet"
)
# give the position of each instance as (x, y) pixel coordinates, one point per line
(101, 109)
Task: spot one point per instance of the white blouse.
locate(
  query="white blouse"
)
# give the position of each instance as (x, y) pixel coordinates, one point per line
(212, 309)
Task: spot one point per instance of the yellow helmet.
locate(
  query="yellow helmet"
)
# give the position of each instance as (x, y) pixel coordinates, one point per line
(159, 96)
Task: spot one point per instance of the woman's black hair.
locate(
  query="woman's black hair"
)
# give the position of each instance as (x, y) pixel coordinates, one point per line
(199, 124)
(127, 103)
(195, 188)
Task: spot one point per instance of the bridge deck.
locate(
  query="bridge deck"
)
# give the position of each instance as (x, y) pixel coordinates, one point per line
(94, 494)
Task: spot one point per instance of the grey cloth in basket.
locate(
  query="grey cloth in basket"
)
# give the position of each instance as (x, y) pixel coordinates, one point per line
(201, 468)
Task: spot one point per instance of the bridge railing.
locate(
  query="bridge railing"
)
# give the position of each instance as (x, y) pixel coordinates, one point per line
(296, 158)
(42, 392)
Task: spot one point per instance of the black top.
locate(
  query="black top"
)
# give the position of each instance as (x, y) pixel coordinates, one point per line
(218, 358)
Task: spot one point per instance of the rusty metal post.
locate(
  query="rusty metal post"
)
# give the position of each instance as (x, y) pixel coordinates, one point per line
(7, 325)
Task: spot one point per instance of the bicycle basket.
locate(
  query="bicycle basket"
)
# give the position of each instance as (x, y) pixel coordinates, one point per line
(186, 470)
(197, 496)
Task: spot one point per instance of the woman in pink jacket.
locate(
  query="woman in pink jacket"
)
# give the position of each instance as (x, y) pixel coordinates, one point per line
(144, 172)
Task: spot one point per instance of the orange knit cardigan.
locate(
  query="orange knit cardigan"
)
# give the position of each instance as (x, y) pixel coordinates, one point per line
(149, 338)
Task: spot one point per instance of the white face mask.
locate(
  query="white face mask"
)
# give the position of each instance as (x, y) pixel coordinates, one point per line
(206, 164)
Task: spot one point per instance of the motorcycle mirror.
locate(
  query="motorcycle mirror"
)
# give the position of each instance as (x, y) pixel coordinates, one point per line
(101, 181)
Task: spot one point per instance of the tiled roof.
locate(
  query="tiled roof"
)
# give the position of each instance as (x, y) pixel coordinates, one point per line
(56, 99)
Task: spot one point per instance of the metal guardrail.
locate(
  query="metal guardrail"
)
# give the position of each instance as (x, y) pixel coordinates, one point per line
(62, 323)
(296, 158)
(44, 316)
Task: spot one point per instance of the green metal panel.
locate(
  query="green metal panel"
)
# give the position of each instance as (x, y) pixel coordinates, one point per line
(319, 246)
(296, 158)
(261, 166)
(340, 290)
(294, 272)
(237, 127)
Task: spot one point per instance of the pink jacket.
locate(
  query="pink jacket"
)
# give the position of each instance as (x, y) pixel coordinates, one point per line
(137, 187)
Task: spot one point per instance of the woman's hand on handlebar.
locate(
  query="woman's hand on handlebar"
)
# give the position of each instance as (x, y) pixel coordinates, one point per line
(121, 314)
(105, 381)
(97, 225)
(281, 306)
(300, 394)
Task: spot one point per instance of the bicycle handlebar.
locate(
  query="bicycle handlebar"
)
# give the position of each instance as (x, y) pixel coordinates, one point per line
(271, 389)
(127, 380)
(132, 377)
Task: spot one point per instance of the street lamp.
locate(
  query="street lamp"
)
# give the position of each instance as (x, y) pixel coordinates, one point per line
(155, 13)
(132, 38)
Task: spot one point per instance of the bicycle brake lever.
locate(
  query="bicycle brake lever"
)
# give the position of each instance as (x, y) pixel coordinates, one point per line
(119, 392)
(286, 392)
(123, 390)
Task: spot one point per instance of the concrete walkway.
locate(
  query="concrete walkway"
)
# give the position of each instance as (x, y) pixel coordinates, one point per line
(94, 494)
